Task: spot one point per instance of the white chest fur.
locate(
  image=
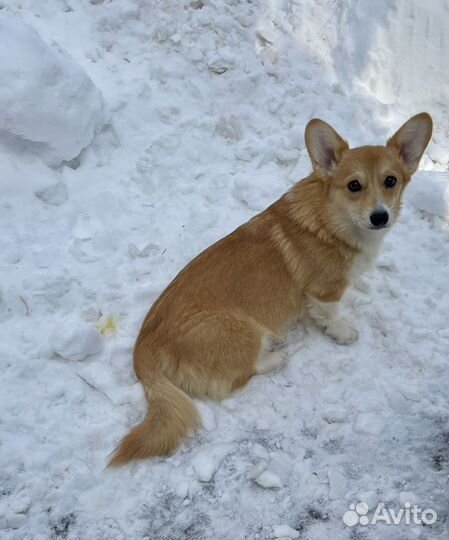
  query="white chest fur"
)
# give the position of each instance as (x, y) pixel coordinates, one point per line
(365, 260)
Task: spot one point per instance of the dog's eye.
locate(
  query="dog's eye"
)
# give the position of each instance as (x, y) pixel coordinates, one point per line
(354, 185)
(390, 181)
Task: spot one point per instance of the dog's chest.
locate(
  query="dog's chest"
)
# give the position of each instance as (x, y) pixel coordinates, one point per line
(365, 260)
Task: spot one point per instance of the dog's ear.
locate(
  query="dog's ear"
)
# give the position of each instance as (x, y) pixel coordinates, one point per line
(324, 144)
(411, 140)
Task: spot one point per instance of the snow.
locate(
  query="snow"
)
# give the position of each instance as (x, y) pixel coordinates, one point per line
(207, 416)
(408, 497)
(25, 177)
(430, 193)
(257, 470)
(285, 531)
(208, 458)
(370, 498)
(76, 340)
(48, 105)
(105, 199)
(268, 479)
(369, 423)
(338, 484)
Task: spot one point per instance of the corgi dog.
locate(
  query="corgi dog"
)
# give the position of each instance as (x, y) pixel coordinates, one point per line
(221, 320)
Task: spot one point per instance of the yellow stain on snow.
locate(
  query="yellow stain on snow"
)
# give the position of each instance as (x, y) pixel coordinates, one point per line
(108, 325)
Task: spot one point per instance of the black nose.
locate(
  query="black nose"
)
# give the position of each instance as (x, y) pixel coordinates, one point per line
(379, 219)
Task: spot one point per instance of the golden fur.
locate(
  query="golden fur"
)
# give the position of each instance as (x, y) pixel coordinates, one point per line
(215, 325)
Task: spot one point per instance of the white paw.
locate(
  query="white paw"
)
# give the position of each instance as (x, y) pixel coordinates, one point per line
(361, 285)
(271, 361)
(342, 332)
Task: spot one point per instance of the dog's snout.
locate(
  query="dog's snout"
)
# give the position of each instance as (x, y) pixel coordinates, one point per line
(379, 218)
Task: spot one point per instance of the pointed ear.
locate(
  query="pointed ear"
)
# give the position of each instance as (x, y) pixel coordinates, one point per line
(324, 144)
(411, 140)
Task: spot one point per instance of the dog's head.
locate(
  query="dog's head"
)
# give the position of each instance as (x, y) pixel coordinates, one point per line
(366, 183)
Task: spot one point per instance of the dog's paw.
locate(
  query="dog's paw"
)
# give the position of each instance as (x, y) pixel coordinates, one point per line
(271, 361)
(273, 342)
(361, 285)
(348, 336)
(342, 332)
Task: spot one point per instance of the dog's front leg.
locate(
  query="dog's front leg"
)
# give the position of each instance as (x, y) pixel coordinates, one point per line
(325, 315)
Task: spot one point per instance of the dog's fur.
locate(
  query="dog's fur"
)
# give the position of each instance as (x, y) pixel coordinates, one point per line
(217, 323)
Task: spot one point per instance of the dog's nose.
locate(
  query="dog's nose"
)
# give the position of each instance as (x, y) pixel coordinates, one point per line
(379, 218)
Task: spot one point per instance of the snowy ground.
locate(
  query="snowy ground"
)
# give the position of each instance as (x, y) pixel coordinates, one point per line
(201, 126)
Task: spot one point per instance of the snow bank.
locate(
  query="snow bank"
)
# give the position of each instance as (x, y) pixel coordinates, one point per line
(398, 56)
(429, 192)
(47, 102)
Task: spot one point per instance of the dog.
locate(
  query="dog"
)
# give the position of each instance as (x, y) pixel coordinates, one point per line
(221, 320)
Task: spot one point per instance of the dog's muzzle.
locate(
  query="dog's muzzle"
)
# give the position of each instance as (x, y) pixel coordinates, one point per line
(379, 219)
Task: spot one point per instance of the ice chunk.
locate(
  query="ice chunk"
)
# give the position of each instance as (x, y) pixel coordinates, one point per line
(257, 470)
(76, 341)
(269, 479)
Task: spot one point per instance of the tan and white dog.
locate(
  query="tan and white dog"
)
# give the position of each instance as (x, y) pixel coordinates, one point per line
(218, 323)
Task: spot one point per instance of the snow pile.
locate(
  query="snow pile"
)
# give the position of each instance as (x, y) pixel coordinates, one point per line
(48, 104)
(399, 56)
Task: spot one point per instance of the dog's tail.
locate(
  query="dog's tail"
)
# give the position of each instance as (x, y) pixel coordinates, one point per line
(172, 415)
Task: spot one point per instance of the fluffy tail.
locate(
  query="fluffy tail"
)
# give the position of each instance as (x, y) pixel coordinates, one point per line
(171, 417)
